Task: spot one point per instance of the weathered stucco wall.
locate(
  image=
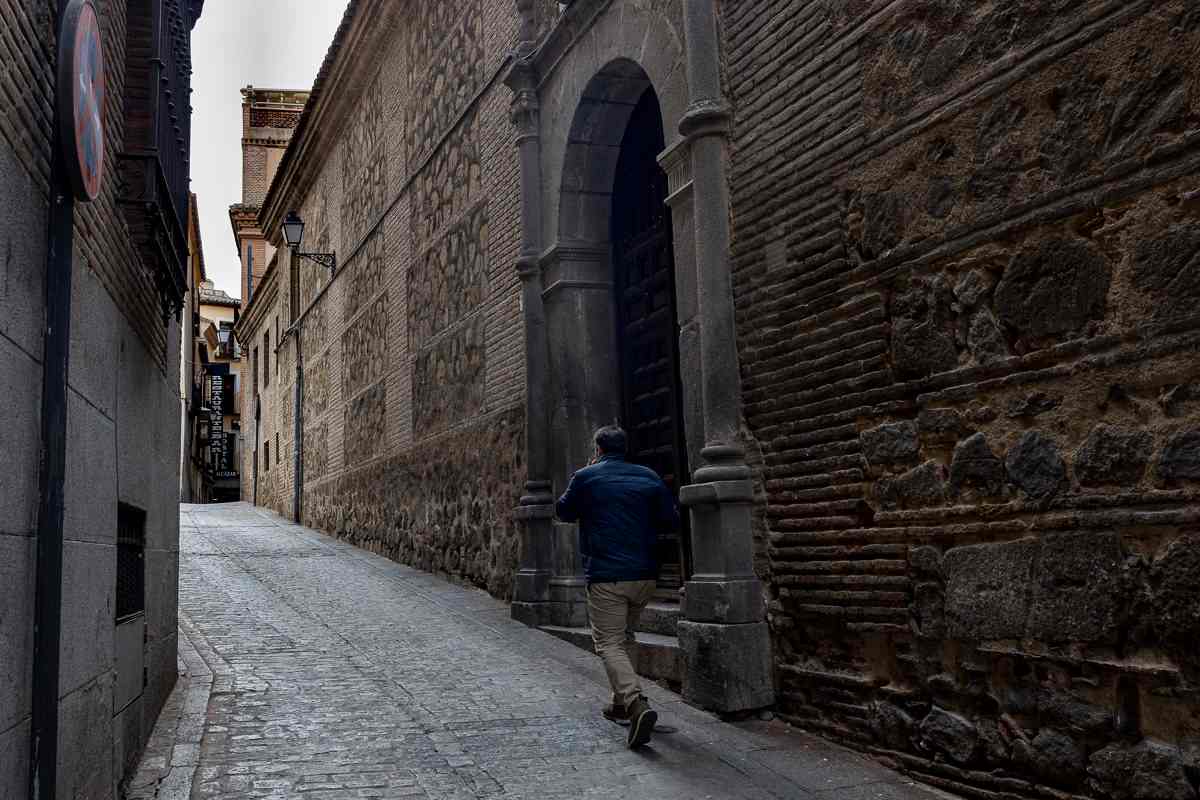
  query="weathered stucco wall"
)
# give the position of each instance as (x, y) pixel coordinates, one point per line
(413, 360)
(966, 276)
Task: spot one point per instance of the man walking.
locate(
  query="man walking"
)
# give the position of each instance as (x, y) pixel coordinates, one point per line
(621, 508)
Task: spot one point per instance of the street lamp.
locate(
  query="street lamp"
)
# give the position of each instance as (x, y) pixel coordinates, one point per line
(293, 234)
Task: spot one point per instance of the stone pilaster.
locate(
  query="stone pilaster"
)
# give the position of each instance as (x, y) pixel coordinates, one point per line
(535, 514)
(724, 637)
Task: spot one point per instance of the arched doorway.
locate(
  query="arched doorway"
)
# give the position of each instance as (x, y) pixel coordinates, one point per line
(647, 330)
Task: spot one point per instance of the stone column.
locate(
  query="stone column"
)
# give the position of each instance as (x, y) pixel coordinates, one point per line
(584, 388)
(724, 638)
(535, 514)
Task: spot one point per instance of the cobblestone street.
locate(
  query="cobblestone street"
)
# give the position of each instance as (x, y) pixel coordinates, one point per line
(314, 669)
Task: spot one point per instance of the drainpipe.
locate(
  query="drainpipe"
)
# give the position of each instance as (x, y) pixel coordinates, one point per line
(254, 459)
(298, 433)
(47, 629)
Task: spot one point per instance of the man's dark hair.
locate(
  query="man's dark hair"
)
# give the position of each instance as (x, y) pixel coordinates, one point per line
(611, 440)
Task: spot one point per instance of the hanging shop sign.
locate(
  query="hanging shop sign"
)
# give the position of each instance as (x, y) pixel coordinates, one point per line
(81, 98)
(216, 421)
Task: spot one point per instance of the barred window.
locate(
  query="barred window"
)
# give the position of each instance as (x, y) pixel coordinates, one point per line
(131, 561)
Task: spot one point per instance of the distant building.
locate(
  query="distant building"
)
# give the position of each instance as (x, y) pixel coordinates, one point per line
(269, 118)
(91, 300)
(193, 480)
(218, 420)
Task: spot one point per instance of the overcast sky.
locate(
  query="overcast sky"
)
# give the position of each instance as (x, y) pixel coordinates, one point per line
(277, 44)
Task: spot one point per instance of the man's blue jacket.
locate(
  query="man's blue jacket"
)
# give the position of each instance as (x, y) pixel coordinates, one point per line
(621, 508)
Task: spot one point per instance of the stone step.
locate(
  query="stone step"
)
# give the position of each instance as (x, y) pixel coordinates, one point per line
(659, 657)
(659, 616)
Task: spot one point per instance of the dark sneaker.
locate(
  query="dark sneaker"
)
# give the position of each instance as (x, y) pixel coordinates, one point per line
(616, 713)
(641, 722)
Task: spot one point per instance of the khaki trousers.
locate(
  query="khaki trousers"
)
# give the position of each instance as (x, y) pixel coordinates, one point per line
(614, 609)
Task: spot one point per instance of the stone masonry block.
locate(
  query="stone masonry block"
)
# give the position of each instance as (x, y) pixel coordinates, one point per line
(1148, 771)
(975, 466)
(20, 438)
(90, 492)
(16, 627)
(893, 443)
(1180, 459)
(89, 595)
(728, 667)
(14, 761)
(1113, 455)
(987, 589)
(1035, 465)
(22, 254)
(95, 341)
(1077, 593)
(85, 741)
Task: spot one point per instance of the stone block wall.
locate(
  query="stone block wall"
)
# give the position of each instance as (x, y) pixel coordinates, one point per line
(413, 354)
(965, 268)
(122, 432)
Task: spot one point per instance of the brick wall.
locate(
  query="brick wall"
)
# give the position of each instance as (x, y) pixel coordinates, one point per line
(415, 347)
(964, 269)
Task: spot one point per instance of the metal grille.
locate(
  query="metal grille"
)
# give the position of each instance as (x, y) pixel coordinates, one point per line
(131, 561)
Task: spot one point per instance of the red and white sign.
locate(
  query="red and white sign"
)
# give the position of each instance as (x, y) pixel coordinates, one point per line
(81, 98)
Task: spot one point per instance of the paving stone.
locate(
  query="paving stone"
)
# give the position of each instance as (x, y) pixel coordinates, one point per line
(326, 671)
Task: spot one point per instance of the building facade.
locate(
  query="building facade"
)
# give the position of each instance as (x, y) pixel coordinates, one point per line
(899, 296)
(194, 482)
(269, 117)
(218, 422)
(89, 359)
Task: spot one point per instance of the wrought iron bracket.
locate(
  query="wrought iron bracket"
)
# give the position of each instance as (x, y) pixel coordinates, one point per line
(327, 260)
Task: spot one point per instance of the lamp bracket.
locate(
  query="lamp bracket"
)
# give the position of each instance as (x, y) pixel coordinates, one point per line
(327, 260)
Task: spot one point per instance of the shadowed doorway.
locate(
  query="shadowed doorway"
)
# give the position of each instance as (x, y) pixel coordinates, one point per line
(647, 330)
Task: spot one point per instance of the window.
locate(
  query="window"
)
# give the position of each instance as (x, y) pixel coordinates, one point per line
(131, 567)
(267, 456)
(277, 450)
(267, 358)
(254, 369)
(277, 340)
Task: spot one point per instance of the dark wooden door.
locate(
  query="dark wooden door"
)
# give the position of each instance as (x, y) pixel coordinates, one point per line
(647, 331)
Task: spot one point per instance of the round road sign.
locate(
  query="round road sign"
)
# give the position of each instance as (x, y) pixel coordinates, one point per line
(81, 98)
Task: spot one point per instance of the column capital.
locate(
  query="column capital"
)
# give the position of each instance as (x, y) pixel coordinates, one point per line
(706, 117)
(528, 267)
(525, 109)
(676, 161)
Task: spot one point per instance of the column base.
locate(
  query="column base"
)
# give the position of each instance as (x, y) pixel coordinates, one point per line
(568, 602)
(727, 668)
(724, 600)
(532, 614)
(531, 586)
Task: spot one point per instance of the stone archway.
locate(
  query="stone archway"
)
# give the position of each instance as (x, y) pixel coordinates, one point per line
(591, 305)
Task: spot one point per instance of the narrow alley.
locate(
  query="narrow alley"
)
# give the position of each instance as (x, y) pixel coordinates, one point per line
(317, 670)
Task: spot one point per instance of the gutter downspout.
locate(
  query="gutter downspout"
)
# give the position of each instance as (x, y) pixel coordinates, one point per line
(254, 459)
(47, 628)
(298, 433)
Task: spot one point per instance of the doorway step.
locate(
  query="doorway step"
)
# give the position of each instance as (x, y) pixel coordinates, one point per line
(659, 656)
